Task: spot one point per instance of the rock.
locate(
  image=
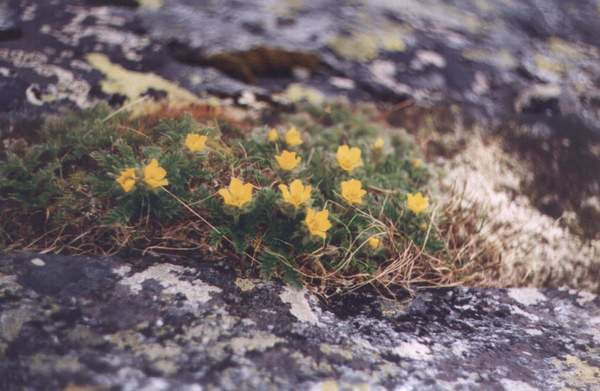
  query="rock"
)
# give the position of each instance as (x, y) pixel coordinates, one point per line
(9, 22)
(539, 98)
(264, 43)
(91, 323)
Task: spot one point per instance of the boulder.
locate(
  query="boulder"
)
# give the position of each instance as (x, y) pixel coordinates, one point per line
(82, 323)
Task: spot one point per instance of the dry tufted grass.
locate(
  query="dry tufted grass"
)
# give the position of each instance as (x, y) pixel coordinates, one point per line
(536, 249)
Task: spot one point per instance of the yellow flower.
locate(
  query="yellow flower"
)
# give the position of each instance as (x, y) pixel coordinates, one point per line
(127, 179)
(272, 136)
(374, 242)
(417, 203)
(317, 222)
(416, 163)
(348, 158)
(378, 144)
(238, 193)
(292, 137)
(297, 194)
(288, 160)
(154, 175)
(352, 191)
(195, 142)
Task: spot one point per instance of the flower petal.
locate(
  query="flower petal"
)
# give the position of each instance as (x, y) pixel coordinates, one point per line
(227, 198)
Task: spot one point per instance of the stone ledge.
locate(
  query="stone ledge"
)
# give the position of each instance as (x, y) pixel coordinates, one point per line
(104, 323)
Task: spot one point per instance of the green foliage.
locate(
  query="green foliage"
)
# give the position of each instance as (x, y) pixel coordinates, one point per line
(69, 176)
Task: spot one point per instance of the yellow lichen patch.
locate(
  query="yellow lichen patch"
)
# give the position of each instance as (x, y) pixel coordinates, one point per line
(77, 387)
(365, 45)
(547, 64)
(577, 373)
(356, 46)
(244, 284)
(336, 349)
(330, 385)
(298, 92)
(393, 43)
(151, 4)
(286, 8)
(258, 342)
(484, 5)
(501, 58)
(133, 85)
(563, 48)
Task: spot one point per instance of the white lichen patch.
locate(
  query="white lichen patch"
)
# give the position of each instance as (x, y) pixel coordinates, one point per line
(585, 297)
(38, 262)
(594, 328)
(517, 310)
(68, 86)
(333, 385)
(514, 385)
(424, 58)
(342, 83)
(459, 348)
(163, 357)
(11, 322)
(536, 249)
(413, 350)
(300, 307)
(167, 275)
(8, 284)
(470, 382)
(122, 270)
(526, 296)
(534, 332)
(384, 72)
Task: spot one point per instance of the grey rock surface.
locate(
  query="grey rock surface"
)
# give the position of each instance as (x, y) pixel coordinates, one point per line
(190, 325)
(480, 54)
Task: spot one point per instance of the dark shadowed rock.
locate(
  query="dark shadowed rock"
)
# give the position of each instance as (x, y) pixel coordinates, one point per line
(9, 22)
(189, 325)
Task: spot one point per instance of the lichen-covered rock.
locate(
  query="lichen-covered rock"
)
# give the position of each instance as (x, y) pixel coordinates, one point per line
(483, 55)
(89, 323)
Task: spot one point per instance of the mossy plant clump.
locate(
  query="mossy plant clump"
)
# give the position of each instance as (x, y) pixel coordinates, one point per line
(325, 197)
